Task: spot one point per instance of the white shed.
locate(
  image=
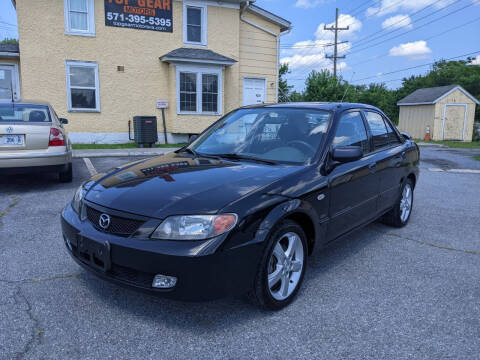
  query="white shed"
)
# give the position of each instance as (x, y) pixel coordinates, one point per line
(448, 112)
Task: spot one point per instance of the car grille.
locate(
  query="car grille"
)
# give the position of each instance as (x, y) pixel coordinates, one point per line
(118, 225)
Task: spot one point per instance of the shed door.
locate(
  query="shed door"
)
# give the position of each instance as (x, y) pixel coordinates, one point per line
(253, 91)
(454, 121)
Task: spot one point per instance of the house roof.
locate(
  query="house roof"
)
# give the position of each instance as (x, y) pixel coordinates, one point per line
(284, 24)
(432, 95)
(190, 55)
(9, 50)
(12, 48)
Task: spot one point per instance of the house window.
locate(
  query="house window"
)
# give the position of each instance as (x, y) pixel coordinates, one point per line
(209, 92)
(199, 90)
(79, 17)
(188, 92)
(82, 86)
(194, 25)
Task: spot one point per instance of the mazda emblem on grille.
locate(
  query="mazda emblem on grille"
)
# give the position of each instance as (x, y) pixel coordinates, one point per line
(9, 129)
(104, 221)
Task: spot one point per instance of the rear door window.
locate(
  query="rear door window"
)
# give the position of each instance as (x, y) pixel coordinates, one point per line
(351, 132)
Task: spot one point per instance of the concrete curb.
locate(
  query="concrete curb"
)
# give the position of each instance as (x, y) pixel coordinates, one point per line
(431, 145)
(93, 153)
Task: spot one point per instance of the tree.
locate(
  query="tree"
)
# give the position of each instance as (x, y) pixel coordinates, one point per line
(9, 41)
(283, 88)
(323, 86)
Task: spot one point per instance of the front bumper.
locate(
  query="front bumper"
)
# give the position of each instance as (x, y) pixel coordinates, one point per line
(133, 262)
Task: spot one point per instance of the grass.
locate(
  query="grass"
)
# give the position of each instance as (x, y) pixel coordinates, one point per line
(120, 146)
(477, 158)
(454, 144)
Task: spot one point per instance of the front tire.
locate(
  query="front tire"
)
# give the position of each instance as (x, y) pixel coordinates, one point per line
(282, 268)
(400, 214)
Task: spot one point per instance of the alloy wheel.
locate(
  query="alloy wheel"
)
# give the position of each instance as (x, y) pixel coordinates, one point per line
(406, 203)
(285, 266)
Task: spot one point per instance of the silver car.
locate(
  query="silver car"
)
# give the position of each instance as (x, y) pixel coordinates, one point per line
(32, 138)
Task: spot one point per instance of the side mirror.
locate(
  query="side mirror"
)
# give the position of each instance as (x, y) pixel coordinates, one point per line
(344, 154)
(63, 121)
(406, 135)
(192, 138)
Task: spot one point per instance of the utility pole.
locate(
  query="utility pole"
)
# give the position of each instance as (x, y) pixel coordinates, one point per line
(335, 44)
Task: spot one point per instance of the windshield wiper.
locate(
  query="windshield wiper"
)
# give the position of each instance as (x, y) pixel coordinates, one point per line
(245, 157)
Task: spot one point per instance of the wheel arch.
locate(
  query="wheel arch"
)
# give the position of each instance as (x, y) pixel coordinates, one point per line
(306, 223)
(295, 210)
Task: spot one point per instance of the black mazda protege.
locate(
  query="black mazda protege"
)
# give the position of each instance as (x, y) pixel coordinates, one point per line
(240, 209)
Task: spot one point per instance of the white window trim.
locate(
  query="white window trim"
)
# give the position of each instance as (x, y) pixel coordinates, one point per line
(90, 22)
(204, 15)
(91, 64)
(16, 80)
(199, 70)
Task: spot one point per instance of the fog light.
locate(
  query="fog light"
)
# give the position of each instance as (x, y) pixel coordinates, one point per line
(164, 281)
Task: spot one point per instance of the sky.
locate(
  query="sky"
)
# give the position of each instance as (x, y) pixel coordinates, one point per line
(384, 36)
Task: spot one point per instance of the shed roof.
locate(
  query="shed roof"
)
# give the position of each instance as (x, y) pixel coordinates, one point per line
(198, 56)
(432, 95)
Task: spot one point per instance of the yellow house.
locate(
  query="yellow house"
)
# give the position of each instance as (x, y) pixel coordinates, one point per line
(102, 62)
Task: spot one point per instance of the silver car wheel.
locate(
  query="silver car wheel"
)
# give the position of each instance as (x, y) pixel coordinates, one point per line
(406, 202)
(285, 266)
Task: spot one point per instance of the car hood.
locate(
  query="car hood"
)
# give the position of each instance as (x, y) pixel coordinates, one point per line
(175, 184)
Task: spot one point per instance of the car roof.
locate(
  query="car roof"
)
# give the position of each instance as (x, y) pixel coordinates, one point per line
(329, 106)
(28, 102)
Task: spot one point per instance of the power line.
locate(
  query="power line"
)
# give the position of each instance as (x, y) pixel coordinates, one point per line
(376, 35)
(6, 23)
(366, 16)
(362, 42)
(404, 69)
(417, 66)
(359, 6)
(409, 31)
(428, 38)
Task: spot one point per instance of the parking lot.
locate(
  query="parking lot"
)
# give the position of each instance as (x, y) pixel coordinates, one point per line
(380, 293)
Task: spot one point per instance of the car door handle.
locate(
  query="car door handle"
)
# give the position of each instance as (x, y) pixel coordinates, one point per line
(373, 167)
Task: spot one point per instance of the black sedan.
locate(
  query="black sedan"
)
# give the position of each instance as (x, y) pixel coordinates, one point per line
(241, 208)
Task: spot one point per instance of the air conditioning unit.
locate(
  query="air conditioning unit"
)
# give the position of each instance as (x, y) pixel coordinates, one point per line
(145, 130)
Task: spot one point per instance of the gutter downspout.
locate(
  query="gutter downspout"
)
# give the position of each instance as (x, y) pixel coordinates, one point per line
(278, 61)
(277, 37)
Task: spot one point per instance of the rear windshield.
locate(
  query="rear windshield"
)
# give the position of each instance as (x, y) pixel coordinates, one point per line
(24, 113)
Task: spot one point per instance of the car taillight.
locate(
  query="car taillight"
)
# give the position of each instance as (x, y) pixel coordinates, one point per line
(56, 138)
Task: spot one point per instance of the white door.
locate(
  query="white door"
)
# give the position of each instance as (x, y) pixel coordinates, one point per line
(253, 91)
(8, 83)
(454, 118)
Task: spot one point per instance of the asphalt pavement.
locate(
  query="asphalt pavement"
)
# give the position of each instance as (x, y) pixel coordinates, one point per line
(382, 293)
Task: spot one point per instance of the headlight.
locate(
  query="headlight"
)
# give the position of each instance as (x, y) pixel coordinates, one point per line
(78, 199)
(194, 227)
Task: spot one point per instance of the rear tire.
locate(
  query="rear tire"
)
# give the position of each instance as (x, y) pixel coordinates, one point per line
(400, 214)
(282, 267)
(66, 176)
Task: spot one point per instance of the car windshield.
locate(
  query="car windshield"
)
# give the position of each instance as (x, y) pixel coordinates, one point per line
(283, 135)
(24, 113)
